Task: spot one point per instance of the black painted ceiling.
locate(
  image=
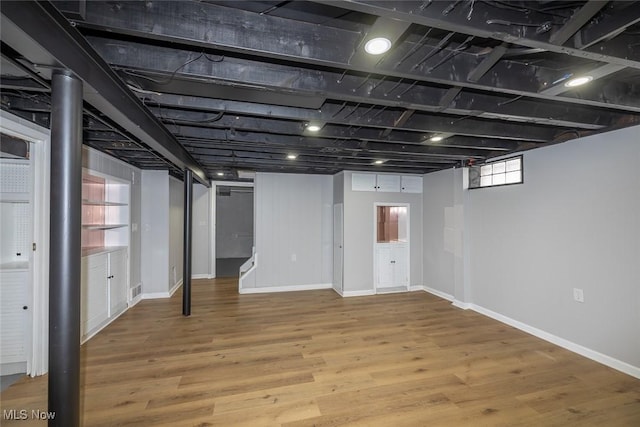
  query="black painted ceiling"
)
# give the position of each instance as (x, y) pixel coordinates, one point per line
(238, 83)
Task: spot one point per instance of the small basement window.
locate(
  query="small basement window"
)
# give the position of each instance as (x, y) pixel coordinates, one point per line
(500, 172)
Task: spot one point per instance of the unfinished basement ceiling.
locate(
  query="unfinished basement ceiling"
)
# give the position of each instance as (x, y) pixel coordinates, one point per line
(240, 83)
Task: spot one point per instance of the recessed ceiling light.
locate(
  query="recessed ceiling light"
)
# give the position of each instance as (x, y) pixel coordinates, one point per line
(292, 156)
(436, 138)
(578, 81)
(220, 173)
(378, 162)
(313, 128)
(377, 45)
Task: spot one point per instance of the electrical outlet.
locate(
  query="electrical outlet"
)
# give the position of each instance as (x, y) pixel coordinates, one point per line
(578, 295)
(293, 257)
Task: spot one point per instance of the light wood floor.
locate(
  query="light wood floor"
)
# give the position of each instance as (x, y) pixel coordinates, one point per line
(315, 359)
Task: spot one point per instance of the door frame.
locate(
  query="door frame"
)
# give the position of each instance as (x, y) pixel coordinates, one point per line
(375, 241)
(213, 191)
(37, 339)
(339, 206)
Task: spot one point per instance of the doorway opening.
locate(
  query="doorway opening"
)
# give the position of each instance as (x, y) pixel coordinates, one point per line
(24, 248)
(391, 248)
(233, 228)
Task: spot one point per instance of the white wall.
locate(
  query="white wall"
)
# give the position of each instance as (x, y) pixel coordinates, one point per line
(103, 163)
(358, 235)
(293, 230)
(155, 232)
(439, 231)
(201, 256)
(176, 231)
(574, 223)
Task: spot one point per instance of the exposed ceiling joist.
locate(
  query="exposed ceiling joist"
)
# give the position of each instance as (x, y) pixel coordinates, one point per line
(44, 36)
(577, 21)
(507, 27)
(610, 25)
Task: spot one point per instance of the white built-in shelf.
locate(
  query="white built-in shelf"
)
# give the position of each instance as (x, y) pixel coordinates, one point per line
(101, 203)
(103, 226)
(100, 250)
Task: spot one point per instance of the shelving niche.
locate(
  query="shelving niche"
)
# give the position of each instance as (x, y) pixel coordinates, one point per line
(105, 251)
(105, 213)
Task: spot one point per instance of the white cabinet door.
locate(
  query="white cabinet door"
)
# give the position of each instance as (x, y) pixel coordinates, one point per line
(95, 295)
(411, 184)
(117, 282)
(388, 183)
(399, 255)
(13, 321)
(363, 182)
(392, 265)
(373, 182)
(384, 266)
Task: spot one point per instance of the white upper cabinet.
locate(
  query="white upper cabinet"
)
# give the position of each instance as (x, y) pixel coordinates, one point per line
(411, 184)
(386, 183)
(363, 182)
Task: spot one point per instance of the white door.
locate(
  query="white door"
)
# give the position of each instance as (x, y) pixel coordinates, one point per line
(391, 248)
(117, 282)
(14, 320)
(338, 243)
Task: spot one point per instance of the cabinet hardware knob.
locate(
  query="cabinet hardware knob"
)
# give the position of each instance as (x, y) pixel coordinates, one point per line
(24, 307)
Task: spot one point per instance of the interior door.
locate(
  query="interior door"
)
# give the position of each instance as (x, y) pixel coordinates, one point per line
(338, 243)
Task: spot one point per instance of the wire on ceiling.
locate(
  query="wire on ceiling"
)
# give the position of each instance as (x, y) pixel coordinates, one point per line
(173, 74)
(414, 49)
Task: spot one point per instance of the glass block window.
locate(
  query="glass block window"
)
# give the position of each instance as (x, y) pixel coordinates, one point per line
(500, 172)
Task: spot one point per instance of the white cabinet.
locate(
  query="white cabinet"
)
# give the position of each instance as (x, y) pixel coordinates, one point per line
(104, 289)
(374, 182)
(94, 310)
(117, 282)
(411, 184)
(363, 182)
(386, 183)
(391, 266)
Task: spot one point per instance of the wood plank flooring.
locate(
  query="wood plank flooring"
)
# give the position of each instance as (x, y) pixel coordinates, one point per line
(315, 359)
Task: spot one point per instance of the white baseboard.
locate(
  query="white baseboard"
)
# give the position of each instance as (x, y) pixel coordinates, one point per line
(293, 288)
(609, 361)
(364, 293)
(175, 288)
(462, 305)
(414, 288)
(440, 294)
(135, 300)
(158, 295)
(202, 276)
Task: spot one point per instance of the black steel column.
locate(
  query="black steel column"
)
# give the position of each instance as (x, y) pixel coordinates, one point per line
(186, 259)
(64, 249)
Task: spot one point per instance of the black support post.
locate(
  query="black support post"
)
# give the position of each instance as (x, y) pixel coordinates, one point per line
(186, 260)
(65, 251)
